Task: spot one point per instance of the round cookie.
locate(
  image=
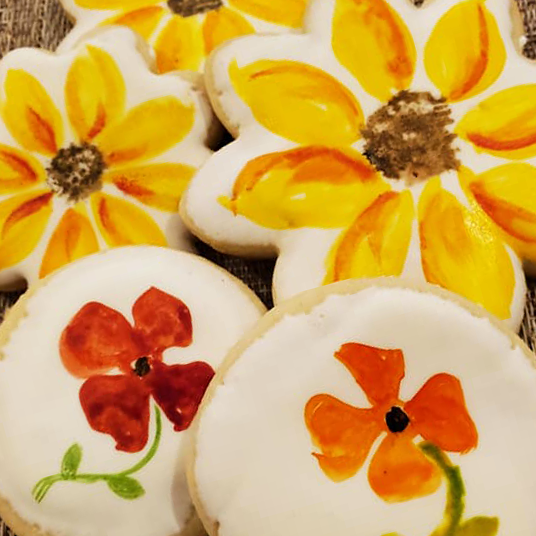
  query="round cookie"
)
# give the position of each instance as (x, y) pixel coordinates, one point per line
(103, 367)
(95, 152)
(371, 409)
(388, 140)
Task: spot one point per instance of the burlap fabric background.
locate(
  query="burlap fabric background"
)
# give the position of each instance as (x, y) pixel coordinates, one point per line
(41, 23)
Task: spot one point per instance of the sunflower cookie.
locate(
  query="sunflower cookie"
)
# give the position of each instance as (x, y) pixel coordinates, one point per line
(103, 367)
(183, 32)
(343, 414)
(95, 151)
(387, 140)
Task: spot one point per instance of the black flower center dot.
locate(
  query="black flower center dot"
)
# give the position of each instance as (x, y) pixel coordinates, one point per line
(188, 8)
(76, 171)
(396, 419)
(142, 367)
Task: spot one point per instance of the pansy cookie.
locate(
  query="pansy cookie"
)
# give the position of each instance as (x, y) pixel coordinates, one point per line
(340, 413)
(104, 365)
(182, 33)
(388, 140)
(95, 152)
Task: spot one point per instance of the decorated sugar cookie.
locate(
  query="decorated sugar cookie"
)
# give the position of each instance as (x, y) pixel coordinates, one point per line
(95, 152)
(387, 140)
(183, 32)
(103, 367)
(340, 413)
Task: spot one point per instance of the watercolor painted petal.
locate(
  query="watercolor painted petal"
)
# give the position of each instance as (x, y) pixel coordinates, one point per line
(94, 93)
(18, 170)
(180, 45)
(23, 220)
(125, 5)
(370, 39)
(73, 239)
(465, 53)
(463, 253)
(30, 114)
(143, 21)
(399, 471)
(305, 187)
(283, 12)
(122, 223)
(157, 185)
(119, 407)
(97, 340)
(222, 25)
(439, 414)
(378, 371)
(503, 124)
(376, 244)
(343, 434)
(299, 102)
(147, 131)
(162, 321)
(179, 389)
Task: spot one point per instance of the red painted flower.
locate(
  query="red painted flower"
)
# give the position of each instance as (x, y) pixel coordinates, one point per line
(99, 340)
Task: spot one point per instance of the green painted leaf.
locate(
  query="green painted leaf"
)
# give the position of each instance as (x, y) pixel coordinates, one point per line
(71, 461)
(126, 487)
(479, 526)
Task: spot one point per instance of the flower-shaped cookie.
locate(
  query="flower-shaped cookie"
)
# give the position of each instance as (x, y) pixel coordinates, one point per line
(95, 151)
(388, 140)
(183, 32)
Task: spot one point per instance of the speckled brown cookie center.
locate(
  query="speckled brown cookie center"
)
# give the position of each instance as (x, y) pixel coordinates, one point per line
(409, 137)
(188, 8)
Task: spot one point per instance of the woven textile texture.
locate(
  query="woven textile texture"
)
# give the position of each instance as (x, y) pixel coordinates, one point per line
(41, 23)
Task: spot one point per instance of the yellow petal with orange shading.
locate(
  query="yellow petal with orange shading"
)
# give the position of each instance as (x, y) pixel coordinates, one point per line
(125, 5)
(180, 45)
(147, 131)
(72, 239)
(462, 252)
(30, 114)
(144, 21)
(503, 124)
(299, 102)
(305, 187)
(371, 40)
(124, 224)
(157, 185)
(377, 242)
(94, 93)
(222, 25)
(283, 12)
(23, 220)
(18, 170)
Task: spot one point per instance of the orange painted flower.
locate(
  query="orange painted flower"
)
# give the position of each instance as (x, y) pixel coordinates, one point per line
(398, 470)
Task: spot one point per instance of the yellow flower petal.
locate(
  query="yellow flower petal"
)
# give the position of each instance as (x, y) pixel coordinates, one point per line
(282, 12)
(73, 239)
(124, 224)
(180, 45)
(144, 21)
(222, 25)
(30, 115)
(94, 92)
(157, 185)
(147, 131)
(371, 40)
(299, 102)
(377, 243)
(125, 5)
(305, 187)
(462, 252)
(504, 124)
(23, 219)
(18, 170)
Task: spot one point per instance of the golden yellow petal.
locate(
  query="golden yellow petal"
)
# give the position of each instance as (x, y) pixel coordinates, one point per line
(18, 170)
(222, 25)
(370, 39)
(283, 12)
(125, 5)
(144, 21)
(299, 102)
(465, 53)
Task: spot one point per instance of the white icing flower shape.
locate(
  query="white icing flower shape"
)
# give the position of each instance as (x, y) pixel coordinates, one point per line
(95, 152)
(388, 140)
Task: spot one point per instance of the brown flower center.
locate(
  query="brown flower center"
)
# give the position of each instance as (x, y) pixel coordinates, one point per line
(142, 367)
(408, 138)
(76, 171)
(187, 8)
(397, 420)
